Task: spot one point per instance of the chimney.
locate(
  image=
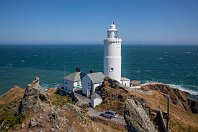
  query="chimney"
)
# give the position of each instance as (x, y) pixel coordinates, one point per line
(90, 71)
(77, 69)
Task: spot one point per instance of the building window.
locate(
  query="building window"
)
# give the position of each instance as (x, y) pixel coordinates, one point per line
(111, 69)
(65, 82)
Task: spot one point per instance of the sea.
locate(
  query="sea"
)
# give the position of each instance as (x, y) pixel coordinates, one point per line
(174, 65)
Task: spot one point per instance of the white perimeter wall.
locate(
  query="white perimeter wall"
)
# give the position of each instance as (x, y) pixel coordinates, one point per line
(94, 87)
(95, 102)
(126, 83)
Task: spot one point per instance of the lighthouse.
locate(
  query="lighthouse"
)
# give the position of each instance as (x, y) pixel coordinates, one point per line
(112, 54)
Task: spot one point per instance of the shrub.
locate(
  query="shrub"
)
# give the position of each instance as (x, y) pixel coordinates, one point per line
(12, 121)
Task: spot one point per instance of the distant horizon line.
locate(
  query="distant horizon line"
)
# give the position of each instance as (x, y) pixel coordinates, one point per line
(94, 44)
(89, 43)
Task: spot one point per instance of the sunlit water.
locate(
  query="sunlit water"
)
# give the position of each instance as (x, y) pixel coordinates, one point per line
(174, 65)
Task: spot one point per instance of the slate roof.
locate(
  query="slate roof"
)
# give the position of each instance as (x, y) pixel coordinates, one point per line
(75, 76)
(96, 77)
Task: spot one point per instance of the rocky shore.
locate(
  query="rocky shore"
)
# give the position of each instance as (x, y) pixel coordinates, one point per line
(145, 107)
(38, 109)
(180, 98)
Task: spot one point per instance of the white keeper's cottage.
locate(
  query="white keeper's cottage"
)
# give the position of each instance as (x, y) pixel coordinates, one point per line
(73, 81)
(91, 81)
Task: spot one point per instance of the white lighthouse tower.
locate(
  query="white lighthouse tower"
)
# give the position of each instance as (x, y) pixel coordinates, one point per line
(112, 54)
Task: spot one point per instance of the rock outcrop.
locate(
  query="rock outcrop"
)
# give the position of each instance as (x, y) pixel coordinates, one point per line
(177, 97)
(113, 96)
(33, 97)
(136, 118)
(44, 110)
(43, 115)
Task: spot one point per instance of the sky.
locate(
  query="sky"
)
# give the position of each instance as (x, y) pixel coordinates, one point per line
(86, 21)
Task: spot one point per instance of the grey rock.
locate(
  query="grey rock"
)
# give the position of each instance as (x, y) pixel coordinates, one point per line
(136, 118)
(33, 97)
(52, 115)
(35, 122)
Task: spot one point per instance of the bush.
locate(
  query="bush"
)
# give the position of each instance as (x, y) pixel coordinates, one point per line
(12, 121)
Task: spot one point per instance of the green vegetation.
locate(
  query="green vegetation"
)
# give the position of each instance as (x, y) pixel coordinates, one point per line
(8, 118)
(8, 106)
(11, 120)
(59, 100)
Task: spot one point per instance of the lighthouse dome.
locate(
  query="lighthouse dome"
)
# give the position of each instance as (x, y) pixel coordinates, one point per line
(113, 26)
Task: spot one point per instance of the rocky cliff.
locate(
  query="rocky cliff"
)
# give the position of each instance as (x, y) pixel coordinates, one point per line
(37, 109)
(146, 104)
(119, 99)
(177, 97)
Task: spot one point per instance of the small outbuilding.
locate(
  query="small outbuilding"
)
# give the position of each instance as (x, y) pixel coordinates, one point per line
(91, 81)
(95, 100)
(125, 81)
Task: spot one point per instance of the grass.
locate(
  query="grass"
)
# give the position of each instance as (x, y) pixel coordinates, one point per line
(12, 121)
(180, 119)
(8, 106)
(8, 117)
(57, 99)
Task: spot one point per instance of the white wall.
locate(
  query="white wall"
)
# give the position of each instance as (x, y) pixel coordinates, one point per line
(88, 86)
(95, 102)
(94, 87)
(112, 58)
(77, 83)
(115, 63)
(86, 83)
(68, 85)
(126, 82)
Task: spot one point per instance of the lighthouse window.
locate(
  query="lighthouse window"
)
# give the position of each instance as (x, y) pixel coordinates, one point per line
(111, 69)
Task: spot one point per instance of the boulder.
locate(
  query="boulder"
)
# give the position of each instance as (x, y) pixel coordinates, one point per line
(136, 118)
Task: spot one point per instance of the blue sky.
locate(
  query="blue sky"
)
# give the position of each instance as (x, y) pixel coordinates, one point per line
(86, 21)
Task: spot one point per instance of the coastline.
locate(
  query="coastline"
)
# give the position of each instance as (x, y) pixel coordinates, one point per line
(177, 64)
(155, 102)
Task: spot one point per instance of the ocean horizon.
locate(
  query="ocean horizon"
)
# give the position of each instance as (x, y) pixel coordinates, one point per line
(175, 65)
